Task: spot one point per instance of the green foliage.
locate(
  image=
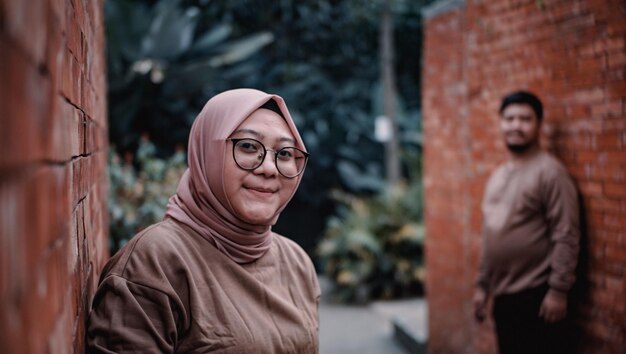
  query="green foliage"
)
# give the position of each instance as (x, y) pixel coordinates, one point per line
(167, 57)
(140, 189)
(163, 64)
(373, 248)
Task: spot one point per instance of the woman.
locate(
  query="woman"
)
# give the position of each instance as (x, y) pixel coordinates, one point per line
(212, 276)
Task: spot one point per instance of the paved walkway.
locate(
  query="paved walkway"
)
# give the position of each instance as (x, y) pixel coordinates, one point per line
(346, 329)
(355, 330)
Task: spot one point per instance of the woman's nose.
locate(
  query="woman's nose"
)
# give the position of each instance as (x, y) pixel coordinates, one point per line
(268, 166)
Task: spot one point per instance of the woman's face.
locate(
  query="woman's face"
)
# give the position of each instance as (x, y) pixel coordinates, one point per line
(257, 195)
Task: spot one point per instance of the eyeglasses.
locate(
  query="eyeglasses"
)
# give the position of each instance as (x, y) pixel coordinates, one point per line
(249, 154)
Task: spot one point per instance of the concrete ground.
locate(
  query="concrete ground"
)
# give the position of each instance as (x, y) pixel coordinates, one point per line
(371, 329)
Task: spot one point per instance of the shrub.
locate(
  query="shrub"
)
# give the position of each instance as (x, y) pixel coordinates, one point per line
(373, 247)
(140, 187)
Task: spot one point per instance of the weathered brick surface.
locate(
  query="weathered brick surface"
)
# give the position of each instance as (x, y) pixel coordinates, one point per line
(573, 54)
(53, 133)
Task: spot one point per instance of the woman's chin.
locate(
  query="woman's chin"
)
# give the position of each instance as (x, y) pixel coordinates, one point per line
(257, 218)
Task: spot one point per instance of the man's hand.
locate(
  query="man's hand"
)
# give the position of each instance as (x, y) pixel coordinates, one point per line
(554, 306)
(480, 304)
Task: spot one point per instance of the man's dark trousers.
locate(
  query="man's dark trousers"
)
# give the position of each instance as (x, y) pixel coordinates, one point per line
(520, 330)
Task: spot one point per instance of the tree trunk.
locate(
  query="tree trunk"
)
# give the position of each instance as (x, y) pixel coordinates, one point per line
(392, 159)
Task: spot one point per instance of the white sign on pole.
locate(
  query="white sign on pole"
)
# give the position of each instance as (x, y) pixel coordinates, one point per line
(383, 130)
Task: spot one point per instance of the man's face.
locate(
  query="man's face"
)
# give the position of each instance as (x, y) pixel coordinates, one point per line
(519, 127)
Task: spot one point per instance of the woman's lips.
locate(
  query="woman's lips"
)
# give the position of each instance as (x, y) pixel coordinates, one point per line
(264, 192)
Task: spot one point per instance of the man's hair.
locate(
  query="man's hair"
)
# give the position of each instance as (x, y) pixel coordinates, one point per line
(523, 97)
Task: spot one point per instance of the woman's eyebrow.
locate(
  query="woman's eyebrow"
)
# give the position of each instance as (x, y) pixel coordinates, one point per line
(250, 131)
(288, 140)
(261, 136)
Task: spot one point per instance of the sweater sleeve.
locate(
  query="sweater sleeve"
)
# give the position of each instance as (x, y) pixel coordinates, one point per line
(562, 214)
(130, 318)
(317, 295)
(482, 279)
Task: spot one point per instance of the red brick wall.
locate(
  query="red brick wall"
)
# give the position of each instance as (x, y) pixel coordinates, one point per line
(573, 54)
(53, 227)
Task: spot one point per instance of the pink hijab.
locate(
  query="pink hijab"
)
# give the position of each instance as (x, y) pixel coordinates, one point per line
(200, 201)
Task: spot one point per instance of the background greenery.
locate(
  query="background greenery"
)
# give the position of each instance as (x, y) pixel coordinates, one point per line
(373, 247)
(166, 58)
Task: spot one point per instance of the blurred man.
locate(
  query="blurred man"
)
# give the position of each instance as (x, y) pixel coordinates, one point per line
(530, 237)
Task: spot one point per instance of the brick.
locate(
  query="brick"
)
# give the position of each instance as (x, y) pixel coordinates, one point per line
(613, 237)
(615, 44)
(61, 336)
(90, 136)
(616, 157)
(55, 48)
(615, 189)
(62, 135)
(71, 80)
(605, 300)
(616, 60)
(87, 95)
(23, 126)
(599, 329)
(19, 19)
(594, 65)
(576, 111)
(46, 192)
(589, 96)
(617, 124)
(72, 244)
(77, 189)
(42, 96)
(607, 205)
(73, 31)
(101, 142)
(13, 224)
(597, 47)
(614, 285)
(615, 221)
(616, 89)
(607, 109)
(79, 334)
(616, 27)
(579, 144)
(617, 74)
(81, 238)
(593, 189)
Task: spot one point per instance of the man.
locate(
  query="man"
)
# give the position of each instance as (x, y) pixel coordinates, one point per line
(530, 237)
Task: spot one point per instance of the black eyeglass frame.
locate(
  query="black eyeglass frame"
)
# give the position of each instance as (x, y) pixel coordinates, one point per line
(265, 150)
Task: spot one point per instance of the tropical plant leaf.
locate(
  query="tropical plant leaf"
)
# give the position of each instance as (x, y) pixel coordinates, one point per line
(213, 37)
(171, 31)
(241, 49)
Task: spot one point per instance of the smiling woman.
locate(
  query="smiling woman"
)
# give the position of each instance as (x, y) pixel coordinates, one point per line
(212, 276)
(257, 187)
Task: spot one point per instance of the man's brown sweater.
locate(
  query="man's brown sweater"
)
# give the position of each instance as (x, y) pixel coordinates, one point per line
(530, 227)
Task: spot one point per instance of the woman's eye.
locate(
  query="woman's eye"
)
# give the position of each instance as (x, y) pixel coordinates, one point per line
(284, 154)
(248, 146)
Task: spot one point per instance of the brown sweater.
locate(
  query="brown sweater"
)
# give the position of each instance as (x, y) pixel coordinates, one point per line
(170, 291)
(530, 227)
